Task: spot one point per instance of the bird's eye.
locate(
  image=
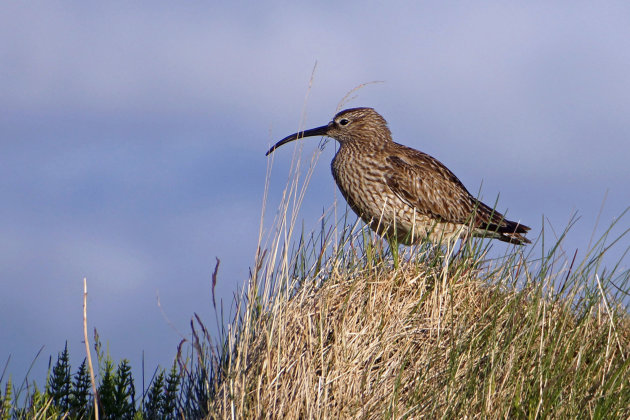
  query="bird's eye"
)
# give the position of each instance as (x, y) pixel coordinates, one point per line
(344, 121)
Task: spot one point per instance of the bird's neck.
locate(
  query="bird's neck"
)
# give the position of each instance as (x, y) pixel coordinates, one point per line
(364, 145)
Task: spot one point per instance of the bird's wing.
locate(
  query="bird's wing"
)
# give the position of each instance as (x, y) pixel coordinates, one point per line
(428, 186)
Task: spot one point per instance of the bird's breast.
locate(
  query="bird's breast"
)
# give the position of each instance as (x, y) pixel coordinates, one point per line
(359, 174)
(362, 176)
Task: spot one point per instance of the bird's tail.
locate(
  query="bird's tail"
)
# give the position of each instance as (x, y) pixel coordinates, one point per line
(513, 232)
(490, 222)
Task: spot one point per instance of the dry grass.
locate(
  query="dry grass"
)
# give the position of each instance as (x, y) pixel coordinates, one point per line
(417, 342)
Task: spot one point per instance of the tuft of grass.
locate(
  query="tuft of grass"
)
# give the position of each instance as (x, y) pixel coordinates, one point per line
(433, 338)
(335, 324)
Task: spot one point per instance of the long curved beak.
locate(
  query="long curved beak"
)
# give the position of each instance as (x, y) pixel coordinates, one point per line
(319, 131)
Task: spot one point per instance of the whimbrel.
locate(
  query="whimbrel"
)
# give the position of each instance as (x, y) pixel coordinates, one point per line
(402, 193)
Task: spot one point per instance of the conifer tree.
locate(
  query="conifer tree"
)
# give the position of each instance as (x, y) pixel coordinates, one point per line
(5, 401)
(170, 393)
(106, 390)
(59, 382)
(80, 399)
(125, 392)
(154, 407)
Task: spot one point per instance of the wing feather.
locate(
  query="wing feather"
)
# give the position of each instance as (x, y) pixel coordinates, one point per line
(425, 184)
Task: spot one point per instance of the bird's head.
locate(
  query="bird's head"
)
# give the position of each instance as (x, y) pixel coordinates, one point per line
(348, 126)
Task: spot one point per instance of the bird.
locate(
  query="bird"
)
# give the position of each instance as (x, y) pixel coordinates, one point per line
(403, 194)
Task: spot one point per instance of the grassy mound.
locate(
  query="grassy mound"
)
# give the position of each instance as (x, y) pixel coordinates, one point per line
(342, 327)
(440, 335)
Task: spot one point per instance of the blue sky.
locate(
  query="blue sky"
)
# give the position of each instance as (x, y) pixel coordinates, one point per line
(133, 138)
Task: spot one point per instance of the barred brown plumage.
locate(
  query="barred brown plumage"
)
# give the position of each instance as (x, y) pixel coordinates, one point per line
(400, 192)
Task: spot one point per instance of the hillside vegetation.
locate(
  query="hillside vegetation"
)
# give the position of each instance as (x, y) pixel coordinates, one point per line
(438, 336)
(338, 327)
